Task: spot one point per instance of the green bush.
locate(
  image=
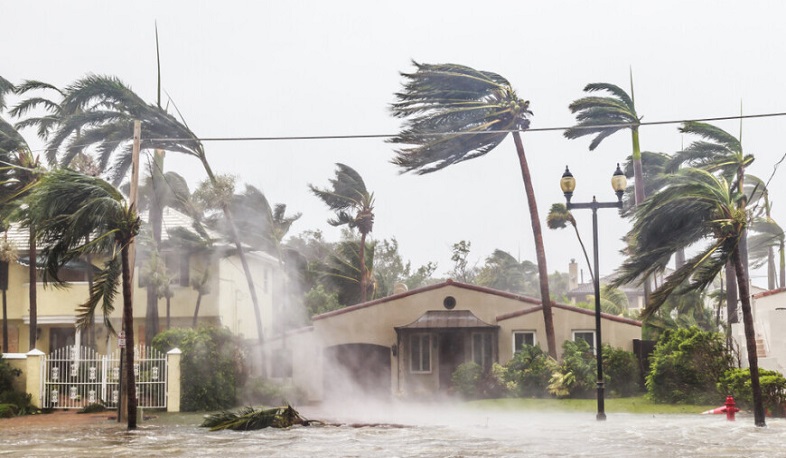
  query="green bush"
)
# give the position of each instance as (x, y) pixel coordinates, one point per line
(529, 371)
(212, 366)
(620, 372)
(12, 402)
(686, 365)
(270, 393)
(466, 379)
(737, 382)
(576, 375)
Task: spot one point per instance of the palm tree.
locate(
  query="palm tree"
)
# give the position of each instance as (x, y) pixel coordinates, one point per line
(603, 116)
(558, 218)
(354, 207)
(8, 255)
(718, 152)
(341, 271)
(19, 172)
(455, 113)
(77, 214)
(695, 206)
(101, 110)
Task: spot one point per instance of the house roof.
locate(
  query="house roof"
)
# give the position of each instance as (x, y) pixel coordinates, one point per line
(771, 292)
(441, 319)
(532, 304)
(448, 282)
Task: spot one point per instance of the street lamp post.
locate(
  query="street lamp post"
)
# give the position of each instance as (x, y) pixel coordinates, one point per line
(618, 183)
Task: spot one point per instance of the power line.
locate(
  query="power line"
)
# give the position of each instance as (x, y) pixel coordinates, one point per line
(536, 129)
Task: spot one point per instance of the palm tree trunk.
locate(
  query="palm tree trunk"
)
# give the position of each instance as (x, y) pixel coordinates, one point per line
(32, 279)
(128, 325)
(543, 272)
(782, 278)
(244, 262)
(168, 303)
(731, 294)
(770, 268)
(5, 324)
(584, 250)
(196, 310)
(750, 333)
(362, 254)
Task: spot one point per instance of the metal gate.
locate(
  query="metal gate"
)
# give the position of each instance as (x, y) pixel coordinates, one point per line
(74, 377)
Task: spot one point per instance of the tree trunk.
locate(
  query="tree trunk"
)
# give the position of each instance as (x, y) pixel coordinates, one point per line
(244, 262)
(196, 310)
(128, 324)
(750, 333)
(168, 303)
(782, 276)
(4, 287)
(771, 268)
(543, 272)
(638, 169)
(362, 255)
(584, 250)
(32, 279)
(731, 294)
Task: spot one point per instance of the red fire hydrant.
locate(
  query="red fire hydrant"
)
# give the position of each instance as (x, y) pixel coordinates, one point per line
(731, 408)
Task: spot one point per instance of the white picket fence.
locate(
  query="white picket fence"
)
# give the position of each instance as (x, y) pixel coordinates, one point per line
(74, 377)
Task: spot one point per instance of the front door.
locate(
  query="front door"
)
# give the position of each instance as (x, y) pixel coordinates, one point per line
(60, 337)
(451, 355)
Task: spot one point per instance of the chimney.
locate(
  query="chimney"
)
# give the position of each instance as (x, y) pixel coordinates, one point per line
(573, 275)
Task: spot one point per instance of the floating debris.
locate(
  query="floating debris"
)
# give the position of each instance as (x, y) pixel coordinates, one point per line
(248, 418)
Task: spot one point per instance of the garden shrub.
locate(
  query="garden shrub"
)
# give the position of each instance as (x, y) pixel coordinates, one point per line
(737, 382)
(620, 372)
(576, 375)
(529, 371)
(212, 366)
(686, 365)
(267, 392)
(466, 379)
(13, 402)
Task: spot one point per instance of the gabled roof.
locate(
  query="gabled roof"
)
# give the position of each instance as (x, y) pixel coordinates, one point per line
(771, 292)
(446, 283)
(570, 308)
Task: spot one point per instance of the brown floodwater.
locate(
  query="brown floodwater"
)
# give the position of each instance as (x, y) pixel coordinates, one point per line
(412, 431)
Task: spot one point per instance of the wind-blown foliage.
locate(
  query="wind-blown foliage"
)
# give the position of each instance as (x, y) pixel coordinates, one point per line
(353, 204)
(76, 214)
(453, 113)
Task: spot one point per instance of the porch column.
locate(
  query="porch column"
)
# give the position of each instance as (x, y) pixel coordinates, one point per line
(35, 371)
(173, 380)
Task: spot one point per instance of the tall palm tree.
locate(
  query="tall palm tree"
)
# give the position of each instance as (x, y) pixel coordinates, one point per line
(341, 269)
(8, 255)
(455, 113)
(77, 214)
(354, 207)
(604, 116)
(558, 218)
(19, 172)
(721, 153)
(101, 109)
(695, 206)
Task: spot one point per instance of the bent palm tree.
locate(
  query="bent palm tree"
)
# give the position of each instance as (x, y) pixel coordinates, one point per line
(99, 111)
(605, 116)
(558, 218)
(77, 214)
(455, 113)
(695, 206)
(354, 207)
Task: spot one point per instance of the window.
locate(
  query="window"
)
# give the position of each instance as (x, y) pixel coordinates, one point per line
(587, 336)
(481, 349)
(521, 338)
(420, 353)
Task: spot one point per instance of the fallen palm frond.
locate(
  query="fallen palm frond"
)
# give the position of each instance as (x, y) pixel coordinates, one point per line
(248, 418)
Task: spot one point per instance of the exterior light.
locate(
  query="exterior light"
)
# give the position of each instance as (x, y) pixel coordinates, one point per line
(567, 183)
(619, 182)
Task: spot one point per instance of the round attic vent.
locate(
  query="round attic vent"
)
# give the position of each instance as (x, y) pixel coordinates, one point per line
(449, 302)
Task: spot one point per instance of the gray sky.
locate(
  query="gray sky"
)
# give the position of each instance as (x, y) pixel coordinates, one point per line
(260, 69)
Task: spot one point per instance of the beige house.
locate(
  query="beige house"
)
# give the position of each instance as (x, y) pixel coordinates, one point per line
(228, 302)
(769, 323)
(409, 344)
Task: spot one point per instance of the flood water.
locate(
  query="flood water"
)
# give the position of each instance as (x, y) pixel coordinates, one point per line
(433, 431)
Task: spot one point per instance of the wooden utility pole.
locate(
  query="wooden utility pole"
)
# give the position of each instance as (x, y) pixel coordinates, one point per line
(132, 202)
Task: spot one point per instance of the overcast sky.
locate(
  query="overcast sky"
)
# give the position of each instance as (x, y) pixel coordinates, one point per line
(268, 69)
